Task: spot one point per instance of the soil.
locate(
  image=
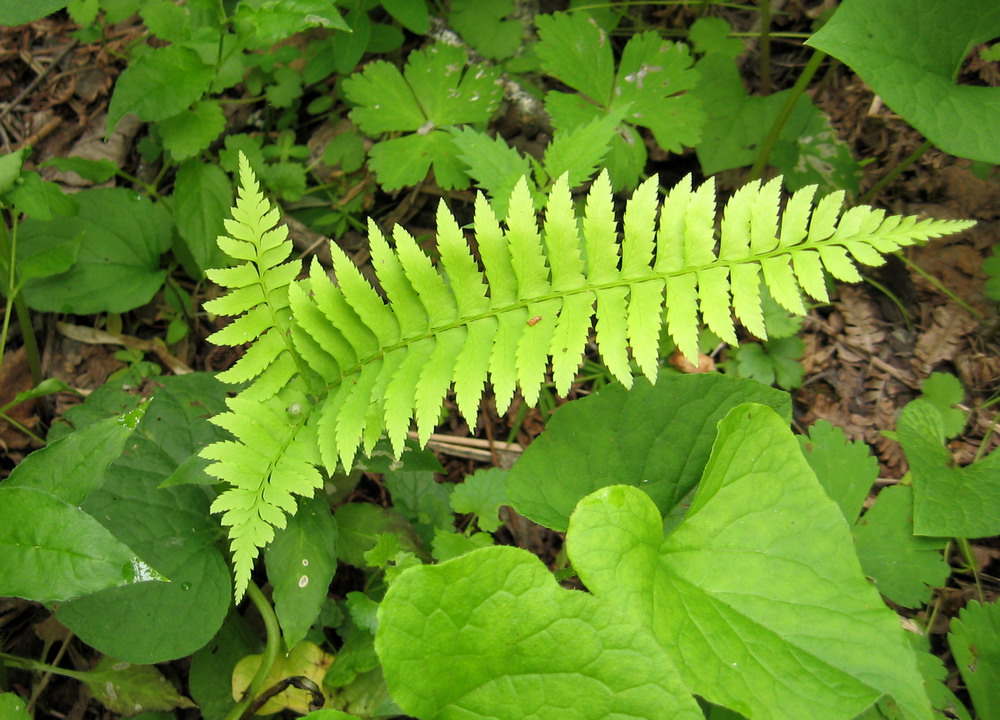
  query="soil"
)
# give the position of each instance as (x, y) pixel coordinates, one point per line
(867, 352)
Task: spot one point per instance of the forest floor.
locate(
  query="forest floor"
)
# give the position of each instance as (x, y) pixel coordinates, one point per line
(866, 353)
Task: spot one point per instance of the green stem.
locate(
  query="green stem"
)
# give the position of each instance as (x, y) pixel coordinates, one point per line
(21, 428)
(271, 652)
(150, 189)
(28, 337)
(15, 302)
(765, 47)
(891, 175)
(970, 558)
(36, 666)
(892, 297)
(757, 171)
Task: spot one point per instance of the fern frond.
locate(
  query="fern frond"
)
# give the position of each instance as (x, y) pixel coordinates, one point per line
(534, 300)
(274, 454)
(377, 365)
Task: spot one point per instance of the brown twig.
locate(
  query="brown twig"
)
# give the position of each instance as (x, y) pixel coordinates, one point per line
(38, 78)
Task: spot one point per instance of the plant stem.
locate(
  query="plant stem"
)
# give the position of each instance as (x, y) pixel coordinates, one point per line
(970, 558)
(757, 171)
(891, 175)
(37, 666)
(28, 337)
(21, 428)
(271, 651)
(942, 288)
(8, 249)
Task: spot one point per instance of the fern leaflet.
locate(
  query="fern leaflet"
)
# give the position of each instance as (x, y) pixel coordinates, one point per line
(375, 365)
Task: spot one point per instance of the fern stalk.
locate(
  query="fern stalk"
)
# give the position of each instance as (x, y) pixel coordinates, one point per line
(355, 367)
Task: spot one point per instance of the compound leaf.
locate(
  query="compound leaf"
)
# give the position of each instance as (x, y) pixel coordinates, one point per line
(342, 366)
(438, 88)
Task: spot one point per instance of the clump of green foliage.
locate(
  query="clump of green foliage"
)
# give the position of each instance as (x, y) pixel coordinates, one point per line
(730, 568)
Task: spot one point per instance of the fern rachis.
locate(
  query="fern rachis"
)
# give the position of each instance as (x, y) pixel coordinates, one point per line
(355, 367)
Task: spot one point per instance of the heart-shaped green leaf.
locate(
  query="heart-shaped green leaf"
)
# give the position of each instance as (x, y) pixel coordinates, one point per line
(491, 635)
(758, 592)
(663, 437)
(909, 52)
(757, 599)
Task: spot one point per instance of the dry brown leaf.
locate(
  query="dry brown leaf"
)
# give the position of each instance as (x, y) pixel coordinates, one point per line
(942, 338)
(15, 377)
(861, 327)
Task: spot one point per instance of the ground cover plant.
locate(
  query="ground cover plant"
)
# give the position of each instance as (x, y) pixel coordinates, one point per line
(602, 233)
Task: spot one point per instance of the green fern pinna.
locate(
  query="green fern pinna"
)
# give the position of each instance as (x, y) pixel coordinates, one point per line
(332, 368)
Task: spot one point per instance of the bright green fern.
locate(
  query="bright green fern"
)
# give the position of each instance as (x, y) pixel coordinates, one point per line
(334, 367)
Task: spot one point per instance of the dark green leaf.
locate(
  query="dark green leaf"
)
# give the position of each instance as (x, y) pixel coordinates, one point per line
(483, 26)
(359, 526)
(52, 551)
(346, 150)
(122, 236)
(301, 561)
(909, 52)
(18, 12)
(41, 200)
(663, 437)
(411, 14)
(97, 171)
(266, 22)
(948, 501)
(202, 196)
(151, 85)
(210, 677)
(405, 160)
(421, 500)
(171, 525)
(189, 132)
(75, 465)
